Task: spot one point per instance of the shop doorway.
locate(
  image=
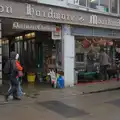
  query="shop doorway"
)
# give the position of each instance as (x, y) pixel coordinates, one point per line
(38, 52)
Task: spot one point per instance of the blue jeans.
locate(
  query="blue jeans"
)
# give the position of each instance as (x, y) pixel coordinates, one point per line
(20, 92)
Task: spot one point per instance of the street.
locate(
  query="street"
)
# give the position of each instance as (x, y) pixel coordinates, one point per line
(59, 105)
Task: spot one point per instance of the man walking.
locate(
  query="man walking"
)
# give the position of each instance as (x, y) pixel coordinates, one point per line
(104, 63)
(11, 69)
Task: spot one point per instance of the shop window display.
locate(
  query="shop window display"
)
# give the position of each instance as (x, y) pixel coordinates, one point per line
(88, 55)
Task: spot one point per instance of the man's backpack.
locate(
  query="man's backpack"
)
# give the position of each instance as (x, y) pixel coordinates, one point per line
(7, 67)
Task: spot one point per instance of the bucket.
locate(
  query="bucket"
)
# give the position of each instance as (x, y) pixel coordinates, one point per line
(31, 77)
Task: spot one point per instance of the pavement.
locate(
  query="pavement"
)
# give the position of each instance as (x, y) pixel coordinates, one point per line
(64, 104)
(84, 88)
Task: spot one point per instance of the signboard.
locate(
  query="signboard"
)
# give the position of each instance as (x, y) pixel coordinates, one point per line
(21, 25)
(98, 32)
(39, 12)
(57, 35)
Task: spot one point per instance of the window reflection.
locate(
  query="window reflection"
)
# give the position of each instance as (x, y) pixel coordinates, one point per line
(82, 2)
(93, 4)
(104, 5)
(114, 6)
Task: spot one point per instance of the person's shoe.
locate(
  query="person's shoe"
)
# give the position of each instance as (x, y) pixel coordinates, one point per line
(16, 98)
(6, 98)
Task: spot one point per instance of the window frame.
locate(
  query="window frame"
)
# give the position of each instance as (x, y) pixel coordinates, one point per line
(88, 5)
(83, 5)
(88, 8)
(117, 7)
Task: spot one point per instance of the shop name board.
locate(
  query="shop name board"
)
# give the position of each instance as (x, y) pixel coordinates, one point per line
(31, 26)
(6, 9)
(47, 13)
(32, 11)
(94, 19)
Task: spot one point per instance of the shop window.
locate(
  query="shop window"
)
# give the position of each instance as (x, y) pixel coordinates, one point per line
(82, 2)
(114, 6)
(80, 57)
(5, 42)
(5, 48)
(19, 38)
(78, 2)
(104, 5)
(93, 4)
(101, 5)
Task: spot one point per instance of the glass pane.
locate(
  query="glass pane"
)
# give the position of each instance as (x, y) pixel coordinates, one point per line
(30, 35)
(17, 38)
(114, 6)
(82, 2)
(80, 57)
(21, 38)
(104, 5)
(93, 4)
(33, 34)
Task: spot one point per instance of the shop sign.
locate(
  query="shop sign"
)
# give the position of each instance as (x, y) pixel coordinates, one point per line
(33, 26)
(98, 32)
(5, 9)
(40, 12)
(94, 19)
(57, 35)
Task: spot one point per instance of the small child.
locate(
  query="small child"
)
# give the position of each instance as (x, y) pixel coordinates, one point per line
(19, 77)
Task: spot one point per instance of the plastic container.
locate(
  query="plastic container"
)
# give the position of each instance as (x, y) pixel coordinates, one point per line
(31, 77)
(60, 82)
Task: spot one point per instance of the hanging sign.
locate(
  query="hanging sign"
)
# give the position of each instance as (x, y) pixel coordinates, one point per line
(57, 35)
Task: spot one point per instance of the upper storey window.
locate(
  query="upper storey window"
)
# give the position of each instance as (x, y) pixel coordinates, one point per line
(114, 6)
(101, 5)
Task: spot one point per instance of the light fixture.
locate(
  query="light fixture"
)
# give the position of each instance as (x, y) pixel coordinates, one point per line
(92, 0)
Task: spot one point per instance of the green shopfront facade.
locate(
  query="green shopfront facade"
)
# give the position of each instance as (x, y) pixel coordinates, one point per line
(69, 19)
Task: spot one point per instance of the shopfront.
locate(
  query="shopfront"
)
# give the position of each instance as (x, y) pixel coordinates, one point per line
(36, 44)
(88, 43)
(29, 19)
